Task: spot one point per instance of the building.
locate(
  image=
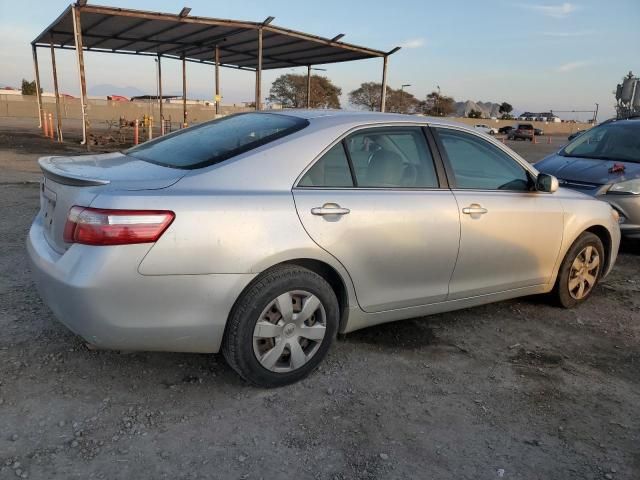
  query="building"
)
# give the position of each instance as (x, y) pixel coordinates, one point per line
(540, 117)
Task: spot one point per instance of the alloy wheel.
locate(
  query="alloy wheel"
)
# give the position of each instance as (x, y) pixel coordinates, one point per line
(584, 272)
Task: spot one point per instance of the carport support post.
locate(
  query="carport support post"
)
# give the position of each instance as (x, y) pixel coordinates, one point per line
(57, 93)
(383, 93)
(77, 34)
(259, 73)
(217, 96)
(308, 86)
(184, 92)
(160, 96)
(38, 94)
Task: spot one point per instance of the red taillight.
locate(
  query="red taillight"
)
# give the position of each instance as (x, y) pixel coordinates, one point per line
(98, 226)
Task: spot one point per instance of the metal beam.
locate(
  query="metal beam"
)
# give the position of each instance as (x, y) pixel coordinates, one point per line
(77, 30)
(89, 28)
(57, 92)
(150, 54)
(160, 95)
(38, 94)
(211, 42)
(217, 96)
(184, 93)
(109, 37)
(308, 86)
(259, 73)
(383, 93)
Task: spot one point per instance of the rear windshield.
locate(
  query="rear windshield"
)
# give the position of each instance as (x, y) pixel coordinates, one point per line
(218, 140)
(525, 126)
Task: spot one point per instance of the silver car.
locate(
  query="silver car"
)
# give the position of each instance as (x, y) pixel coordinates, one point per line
(265, 234)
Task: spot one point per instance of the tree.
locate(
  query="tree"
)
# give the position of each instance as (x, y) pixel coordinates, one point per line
(475, 114)
(400, 101)
(438, 105)
(290, 91)
(505, 109)
(367, 96)
(28, 88)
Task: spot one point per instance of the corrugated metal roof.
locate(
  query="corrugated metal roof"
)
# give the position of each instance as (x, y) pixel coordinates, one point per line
(119, 30)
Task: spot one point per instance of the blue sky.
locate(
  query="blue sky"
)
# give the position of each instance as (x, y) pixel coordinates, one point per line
(535, 54)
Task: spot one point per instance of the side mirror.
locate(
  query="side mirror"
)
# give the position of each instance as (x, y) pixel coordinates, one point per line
(546, 183)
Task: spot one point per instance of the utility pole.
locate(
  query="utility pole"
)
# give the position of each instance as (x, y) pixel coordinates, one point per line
(402, 96)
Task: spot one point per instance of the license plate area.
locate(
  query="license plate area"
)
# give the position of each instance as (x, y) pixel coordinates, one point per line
(49, 206)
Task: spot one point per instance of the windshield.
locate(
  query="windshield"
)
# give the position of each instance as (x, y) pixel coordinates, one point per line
(610, 141)
(218, 140)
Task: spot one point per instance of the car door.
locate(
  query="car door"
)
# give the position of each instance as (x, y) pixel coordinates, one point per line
(374, 201)
(510, 234)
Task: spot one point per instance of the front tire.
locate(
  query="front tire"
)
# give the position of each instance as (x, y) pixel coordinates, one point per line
(580, 271)
(281, 327)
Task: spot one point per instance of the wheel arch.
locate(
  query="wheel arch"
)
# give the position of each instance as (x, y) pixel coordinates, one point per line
(604, 235)
(328, 272)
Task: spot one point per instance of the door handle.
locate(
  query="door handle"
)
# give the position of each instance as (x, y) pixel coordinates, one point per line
(330, 209)
(474, 209)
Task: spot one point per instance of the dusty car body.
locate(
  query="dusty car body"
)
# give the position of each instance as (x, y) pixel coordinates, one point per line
(325, 222)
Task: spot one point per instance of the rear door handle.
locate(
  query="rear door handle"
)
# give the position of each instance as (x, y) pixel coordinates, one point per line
(330, 209)
(474, 209)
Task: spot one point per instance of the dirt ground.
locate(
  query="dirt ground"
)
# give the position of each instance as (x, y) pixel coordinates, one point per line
(513, 390)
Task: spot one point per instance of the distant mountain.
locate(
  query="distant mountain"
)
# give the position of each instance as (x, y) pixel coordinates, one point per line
(107, 89)
(488, 109)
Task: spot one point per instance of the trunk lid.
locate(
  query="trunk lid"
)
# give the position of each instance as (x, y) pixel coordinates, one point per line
(70, 181)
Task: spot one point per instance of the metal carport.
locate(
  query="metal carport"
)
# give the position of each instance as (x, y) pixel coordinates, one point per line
(253, 46)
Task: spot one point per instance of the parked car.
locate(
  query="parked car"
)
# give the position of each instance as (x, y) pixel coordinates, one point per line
(506, 129)
(538, 131)
(264, 234)
(524, 131)
(604, 162)
(486, 129)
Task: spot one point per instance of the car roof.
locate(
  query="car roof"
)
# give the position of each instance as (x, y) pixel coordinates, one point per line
(338, 117)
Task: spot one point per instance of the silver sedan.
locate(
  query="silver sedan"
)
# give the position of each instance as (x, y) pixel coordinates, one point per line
(265, 234)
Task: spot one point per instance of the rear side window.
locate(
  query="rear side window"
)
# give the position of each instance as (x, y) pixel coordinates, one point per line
(215, 141)
(392, 157)
(332, 170)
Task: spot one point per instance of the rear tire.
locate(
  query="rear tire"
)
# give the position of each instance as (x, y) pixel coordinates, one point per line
(580, 271)
(281, 327)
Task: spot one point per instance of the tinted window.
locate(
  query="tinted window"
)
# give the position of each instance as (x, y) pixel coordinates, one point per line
(332, 170)
(215, 141)
(612, 141)
(392, 157)
(477, 164)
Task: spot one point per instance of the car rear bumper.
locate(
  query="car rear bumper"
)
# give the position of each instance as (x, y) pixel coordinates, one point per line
(98, 293)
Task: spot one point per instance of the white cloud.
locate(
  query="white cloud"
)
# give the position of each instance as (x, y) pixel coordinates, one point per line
(571, 66)
(414, 43)
(556, 11)
(569, 34)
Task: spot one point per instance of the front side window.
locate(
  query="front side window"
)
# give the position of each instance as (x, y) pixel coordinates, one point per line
(395, 157)
(216, 141)
(477, 164)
